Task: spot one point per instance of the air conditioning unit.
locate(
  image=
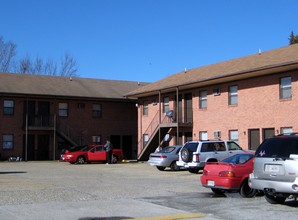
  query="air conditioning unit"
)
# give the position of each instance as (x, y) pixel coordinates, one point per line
(217, 134)
(216, 91)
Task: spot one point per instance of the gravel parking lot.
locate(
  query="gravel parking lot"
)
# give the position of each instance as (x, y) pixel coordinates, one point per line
(58, 190)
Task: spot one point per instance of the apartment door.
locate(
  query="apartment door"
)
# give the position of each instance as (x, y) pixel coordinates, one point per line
(44, 113)
(188, 108)
(254, 139)
(29, 148)
(127, 146)
(268, 132)
(43, 143)
(29, 111)
(178, 115)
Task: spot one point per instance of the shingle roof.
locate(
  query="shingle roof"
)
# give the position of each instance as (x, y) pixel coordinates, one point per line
(241, 66)
(27, 84)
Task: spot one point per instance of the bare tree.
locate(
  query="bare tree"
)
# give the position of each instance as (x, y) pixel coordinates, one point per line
(68, 66)
(7, 52)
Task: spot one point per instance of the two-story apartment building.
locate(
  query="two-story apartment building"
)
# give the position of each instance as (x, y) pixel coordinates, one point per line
(41, 115)
(246, 99)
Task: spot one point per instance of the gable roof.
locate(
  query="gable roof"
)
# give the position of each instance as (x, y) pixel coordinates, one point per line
(281, 59)
(41, 85)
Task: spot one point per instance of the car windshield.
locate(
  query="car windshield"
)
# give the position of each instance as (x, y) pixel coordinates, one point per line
(167, 150)
(239, 158)
(191, 146)
(85, 149)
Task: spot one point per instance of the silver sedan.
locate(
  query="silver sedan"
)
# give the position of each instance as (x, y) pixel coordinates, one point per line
(167, 157)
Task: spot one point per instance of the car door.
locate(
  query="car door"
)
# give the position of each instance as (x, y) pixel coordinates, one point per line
(233, 148)
(220, 151)
(97, 154)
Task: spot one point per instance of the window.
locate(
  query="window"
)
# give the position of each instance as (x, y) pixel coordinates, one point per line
(96, 139)
(233, 95)
(233, 135)
(8, 107)
(145, 108)
(203, 135)
(166, 105)
(285, 91)
(7, 141)
(203, 99)
(96, 110)
(63, 109)
(287, 130)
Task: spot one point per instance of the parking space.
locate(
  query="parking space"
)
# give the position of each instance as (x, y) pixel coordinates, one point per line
(58, 190)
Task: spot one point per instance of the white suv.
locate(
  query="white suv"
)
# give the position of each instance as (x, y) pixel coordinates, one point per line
(194, 154)
(276, 168)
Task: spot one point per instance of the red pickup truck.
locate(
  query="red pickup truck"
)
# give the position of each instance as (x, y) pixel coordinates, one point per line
(91, 153)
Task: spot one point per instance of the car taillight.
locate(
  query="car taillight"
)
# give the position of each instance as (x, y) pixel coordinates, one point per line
(162, 157)
(226, 174)
(205, 172)
(197, 157)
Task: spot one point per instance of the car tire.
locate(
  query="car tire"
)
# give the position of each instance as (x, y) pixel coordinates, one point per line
(80, 160)
(246, 191)
(186, 155)
(218, 191)
(160, 168)
(174, 166)
(193, 170)
(274, 199)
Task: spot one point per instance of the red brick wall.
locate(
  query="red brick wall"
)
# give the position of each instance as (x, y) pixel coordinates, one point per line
(118, 118)
(259, 107)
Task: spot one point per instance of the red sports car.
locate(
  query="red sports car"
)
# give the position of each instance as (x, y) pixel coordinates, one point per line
(92, 153)
(230, 175)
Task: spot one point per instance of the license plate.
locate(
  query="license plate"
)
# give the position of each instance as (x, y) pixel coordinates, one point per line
(210, 183)
(272, 168)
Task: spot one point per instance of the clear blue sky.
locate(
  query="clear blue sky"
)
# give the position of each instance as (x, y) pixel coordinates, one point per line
(146, 40)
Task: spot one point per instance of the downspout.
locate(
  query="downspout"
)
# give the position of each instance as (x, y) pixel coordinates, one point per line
(26, 131)
(54, 150)
(159, 135)
(177, 114)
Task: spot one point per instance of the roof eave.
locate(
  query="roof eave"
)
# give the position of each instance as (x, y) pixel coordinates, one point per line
(265, 70)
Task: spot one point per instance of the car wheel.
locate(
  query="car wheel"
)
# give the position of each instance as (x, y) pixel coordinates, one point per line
(174, 166)
(218, 191)
(186, 155)
(274, 199)
(193, 170)
(160, 168)
(80, 160)
(114, 159)
(246, 191)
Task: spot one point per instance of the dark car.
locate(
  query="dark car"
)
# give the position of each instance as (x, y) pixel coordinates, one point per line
(166, 157)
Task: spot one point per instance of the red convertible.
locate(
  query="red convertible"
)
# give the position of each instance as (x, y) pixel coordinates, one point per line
(91, 153)
(231, 174)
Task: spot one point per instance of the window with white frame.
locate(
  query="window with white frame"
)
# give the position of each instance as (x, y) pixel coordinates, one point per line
(233, 95)
(96, 110)
(96, 139)
(285, 91)
(203, 135)
(8, 107)
(203, 99)
(63, 109)
(7, 141)
(166, 104)
(286, 130)
(234, 136)
(145, 107)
